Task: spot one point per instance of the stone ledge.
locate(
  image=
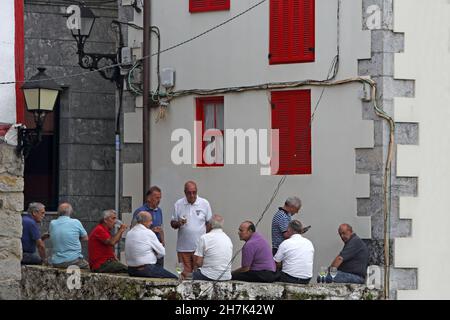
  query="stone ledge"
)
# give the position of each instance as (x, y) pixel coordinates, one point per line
(45, 283)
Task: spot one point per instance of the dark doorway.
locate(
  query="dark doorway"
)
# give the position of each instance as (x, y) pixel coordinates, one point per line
(42, 164)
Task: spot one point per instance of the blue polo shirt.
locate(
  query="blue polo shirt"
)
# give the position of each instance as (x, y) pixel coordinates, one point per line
(280, 224)
(156, 215)
(30, 234)
(65, 234)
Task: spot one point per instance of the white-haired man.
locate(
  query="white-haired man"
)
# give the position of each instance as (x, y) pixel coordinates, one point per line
(142, 249)
(101, 245)
(214, 252)
(65, 235)
(31, 235)
(281, 221)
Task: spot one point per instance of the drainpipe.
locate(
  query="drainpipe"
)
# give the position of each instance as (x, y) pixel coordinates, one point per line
(146, 113)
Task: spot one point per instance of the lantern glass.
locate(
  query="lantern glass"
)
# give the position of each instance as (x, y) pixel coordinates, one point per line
(32, 99)
(47, 99)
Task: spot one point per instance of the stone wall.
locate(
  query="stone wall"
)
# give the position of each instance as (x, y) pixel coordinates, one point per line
(43, 283)
(11, 203)
(87, 105)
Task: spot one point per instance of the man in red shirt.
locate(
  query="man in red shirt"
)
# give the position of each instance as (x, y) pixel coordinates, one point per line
(101, 245)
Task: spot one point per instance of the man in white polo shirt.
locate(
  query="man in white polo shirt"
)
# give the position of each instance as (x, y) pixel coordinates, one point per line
(295, 256)
(214, 252)
(190, 217)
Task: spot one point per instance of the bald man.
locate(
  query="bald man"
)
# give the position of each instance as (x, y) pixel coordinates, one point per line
(352, 261)
(142, 249)
(190, 217)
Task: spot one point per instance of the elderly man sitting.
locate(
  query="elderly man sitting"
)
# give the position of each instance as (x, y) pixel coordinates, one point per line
(142, 249)
(352, 261)
(65, 235)
(214, 252)
(31, 235)
(101, 244)
(295, 256)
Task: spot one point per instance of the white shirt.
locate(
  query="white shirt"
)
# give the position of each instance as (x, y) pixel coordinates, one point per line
(296, 255)
(197, 214)
(142, 246)
(216, 249)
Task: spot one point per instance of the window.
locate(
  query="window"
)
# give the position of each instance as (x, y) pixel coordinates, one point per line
(292, 38)
(41, 169)
(208, 5)
(209, 116)
(291, 114)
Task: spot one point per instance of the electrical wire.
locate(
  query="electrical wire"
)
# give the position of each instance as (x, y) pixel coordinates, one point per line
(146, 57)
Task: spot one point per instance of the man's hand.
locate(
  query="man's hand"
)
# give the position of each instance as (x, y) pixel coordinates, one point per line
(156, 229)
(122, 228)
(45, 236)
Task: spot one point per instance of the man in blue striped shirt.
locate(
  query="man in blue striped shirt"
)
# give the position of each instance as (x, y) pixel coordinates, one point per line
(281, 221)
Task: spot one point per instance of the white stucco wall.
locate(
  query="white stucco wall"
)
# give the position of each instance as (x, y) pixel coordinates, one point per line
(236, 54)
(426, 59)
(7, 65)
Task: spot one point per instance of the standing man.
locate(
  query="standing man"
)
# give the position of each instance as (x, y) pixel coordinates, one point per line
(65, 235)
(152, 200)
(352, 261)
(190, 217)
(295, 256)
(214, 252)
(101, 245)
(257, 263)
(281, 221)
(31, 236)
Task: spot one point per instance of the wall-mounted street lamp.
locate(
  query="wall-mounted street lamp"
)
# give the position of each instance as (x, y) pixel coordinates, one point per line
(41, 93)
(81, 22)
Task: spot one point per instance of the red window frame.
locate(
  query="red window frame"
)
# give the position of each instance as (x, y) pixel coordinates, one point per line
(200, 117)
(291, 114)
(292, 31)
(208, 5)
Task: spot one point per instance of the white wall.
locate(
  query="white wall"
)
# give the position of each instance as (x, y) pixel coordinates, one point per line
(234, 55)
(426, 59)
(7, 65)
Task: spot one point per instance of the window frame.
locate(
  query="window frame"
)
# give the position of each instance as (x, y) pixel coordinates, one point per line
(209, 7)
(200, 103)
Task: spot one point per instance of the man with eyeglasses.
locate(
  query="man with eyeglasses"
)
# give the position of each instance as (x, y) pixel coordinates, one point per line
(190, 217)
(31, 236)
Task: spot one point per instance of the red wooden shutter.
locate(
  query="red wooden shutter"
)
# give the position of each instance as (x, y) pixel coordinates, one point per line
(291, 114)
(292, 28)
(208, 5)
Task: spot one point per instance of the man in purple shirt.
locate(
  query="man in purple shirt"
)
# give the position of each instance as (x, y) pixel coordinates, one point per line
(257, 263)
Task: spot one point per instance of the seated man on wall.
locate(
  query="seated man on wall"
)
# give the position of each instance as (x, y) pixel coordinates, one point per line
(214, 252)
(352, 261)
(257, 263)
(101, 245)
(31, 236)
(65, 235)
(295, 256)
(142, 249)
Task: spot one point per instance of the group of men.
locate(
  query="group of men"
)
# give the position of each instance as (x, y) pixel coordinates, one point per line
(203, 248)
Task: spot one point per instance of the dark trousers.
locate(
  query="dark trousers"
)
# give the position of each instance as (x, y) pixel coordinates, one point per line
(160, 262)
(150, 271)
(274, 251)
(256, 276)
(31, 258)
(112, 266)
(284, 277)
(197, 275)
